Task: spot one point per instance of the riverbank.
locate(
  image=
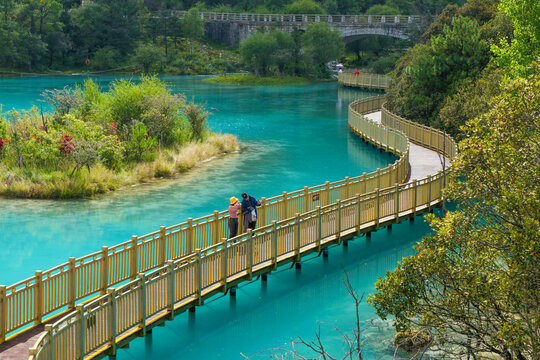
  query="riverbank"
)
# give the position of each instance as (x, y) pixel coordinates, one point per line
(250, 79)
(20, 183)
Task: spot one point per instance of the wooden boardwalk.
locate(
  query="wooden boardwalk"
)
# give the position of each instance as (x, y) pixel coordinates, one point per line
(291, 226)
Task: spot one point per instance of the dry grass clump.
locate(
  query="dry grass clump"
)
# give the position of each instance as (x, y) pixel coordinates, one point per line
(32, 184)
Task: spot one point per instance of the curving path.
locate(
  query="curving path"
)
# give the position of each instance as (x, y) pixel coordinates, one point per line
(423, 161)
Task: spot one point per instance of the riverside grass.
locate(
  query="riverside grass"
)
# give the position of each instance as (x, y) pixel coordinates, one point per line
(20, 183)
(250, 79)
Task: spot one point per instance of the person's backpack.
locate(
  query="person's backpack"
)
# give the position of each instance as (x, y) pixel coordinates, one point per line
(253, 215)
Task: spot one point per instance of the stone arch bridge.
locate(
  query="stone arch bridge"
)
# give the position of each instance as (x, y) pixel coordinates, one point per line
(232, 28)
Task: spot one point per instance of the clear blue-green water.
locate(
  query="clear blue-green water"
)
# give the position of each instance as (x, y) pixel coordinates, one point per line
(292, 136)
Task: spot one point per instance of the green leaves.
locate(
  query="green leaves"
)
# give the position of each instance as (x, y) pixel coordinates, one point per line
(473, 286)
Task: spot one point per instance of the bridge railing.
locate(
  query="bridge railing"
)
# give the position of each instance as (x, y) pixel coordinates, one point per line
(97, 326)
(364, 80)
(49, 292)
(302, 18)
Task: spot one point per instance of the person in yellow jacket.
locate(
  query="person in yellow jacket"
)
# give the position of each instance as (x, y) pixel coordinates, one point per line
(233, 216)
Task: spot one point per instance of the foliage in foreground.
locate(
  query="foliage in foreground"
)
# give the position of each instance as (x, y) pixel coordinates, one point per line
(97, 141)
(474, 285)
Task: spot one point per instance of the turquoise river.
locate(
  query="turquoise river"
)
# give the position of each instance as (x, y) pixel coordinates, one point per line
(292, 136)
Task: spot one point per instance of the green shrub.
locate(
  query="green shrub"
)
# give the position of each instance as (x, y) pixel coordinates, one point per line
(140, 144)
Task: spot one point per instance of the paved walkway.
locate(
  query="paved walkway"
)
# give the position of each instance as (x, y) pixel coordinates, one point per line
(423, 161)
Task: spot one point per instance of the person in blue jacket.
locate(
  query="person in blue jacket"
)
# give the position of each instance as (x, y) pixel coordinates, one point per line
(249, 210)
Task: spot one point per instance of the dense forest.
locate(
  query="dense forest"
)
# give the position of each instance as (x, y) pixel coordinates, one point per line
(55, 35)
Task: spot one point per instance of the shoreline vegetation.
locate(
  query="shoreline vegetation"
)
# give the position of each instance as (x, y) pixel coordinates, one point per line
(101, 180)
(95, 142)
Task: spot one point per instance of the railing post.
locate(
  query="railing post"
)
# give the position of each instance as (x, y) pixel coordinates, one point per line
(170, 265)
(274, 243)
(112, 320)
(72, 283)
(215, 228)
(134, 257)
(429, 191)
(338, 220)
(142, 303)
(359, 211)
(284, 205)
(224, 263)
(297, 232)
(378, 178)
(162, 245)
(250, 253)
(347, 186)
(326, 193)
(104, 269)
(3, 313)
(49, 330)
(199, 276)
(364, 183)
(38, 298)
(397, 203)
(306, 199)
(82, 330)
(415, 191)
(262, 211)
(189, 236)
(319, 228)
(377, 212)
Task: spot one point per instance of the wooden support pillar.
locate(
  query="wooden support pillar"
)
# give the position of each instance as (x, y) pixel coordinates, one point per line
(359, 211)
(250, 253)
(224, 264)
(297, 236)
(338, 220)
(171, 292)
(3, 313)
(112, 321)
(377, 210)
(82, 330)
(429, 192)
(198, 279)
(326, 193)
(72, 286)
(104, 269)
(319, 228)
(305, 205)
(262, 213)
(162, 245)
(215, 228)
(347, 186)
(415, 194)
(142, 304)
(378, 178)
(38, 298)
(325, 252)
(134, 257)
(284, 205)
(189, 236)
(274, 244)
(396, 201)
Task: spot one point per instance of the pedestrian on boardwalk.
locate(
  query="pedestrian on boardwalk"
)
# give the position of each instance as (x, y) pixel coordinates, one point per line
(233, 217)
(249, 210)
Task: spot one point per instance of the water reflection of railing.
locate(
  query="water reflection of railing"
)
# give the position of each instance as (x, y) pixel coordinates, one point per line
(292, 225)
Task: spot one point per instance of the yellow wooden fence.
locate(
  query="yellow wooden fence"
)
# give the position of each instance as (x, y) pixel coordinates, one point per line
(30, 301)
(293, 225)
(363, 80)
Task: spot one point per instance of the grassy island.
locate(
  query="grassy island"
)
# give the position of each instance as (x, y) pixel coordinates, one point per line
(249, 79)
(94, 142)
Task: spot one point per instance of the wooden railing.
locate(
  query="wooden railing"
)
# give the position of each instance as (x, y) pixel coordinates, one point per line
(299, 19)
(98, 327)
(364, 80)
(30, 301)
